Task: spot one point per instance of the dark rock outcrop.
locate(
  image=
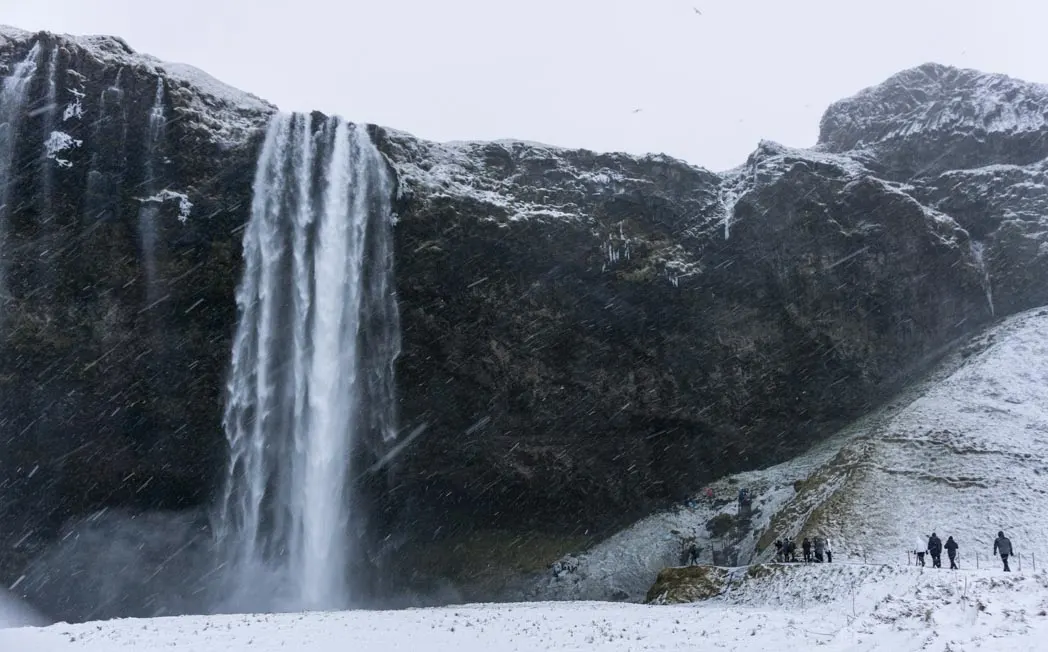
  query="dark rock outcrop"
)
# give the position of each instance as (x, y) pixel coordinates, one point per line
(586, 336)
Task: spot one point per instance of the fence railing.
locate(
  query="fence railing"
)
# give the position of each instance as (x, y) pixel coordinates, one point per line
(974, 561)
(982, 560)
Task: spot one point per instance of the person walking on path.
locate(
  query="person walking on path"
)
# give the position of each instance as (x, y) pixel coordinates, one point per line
(829, 550)
(692, 554)
(919, 550)
(951, 552)
(806, 547)
(1002, 546)
(935, 550)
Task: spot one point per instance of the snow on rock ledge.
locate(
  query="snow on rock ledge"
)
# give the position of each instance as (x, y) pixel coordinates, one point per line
(519, 180)
(229, 115)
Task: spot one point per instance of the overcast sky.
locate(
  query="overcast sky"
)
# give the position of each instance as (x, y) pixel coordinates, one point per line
(568, 72)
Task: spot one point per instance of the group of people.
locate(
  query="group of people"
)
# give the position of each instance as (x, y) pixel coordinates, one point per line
(1002, 546)
(815, 549)
(934, 548)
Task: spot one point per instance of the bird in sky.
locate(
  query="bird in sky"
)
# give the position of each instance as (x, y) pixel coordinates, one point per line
(696, 9)
(637, 110)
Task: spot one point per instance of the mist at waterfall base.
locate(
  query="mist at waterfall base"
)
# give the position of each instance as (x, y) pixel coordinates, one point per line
(309, 407)
(15, 613)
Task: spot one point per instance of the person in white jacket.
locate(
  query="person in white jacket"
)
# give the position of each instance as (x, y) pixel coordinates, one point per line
(829, 550)
(920, 549)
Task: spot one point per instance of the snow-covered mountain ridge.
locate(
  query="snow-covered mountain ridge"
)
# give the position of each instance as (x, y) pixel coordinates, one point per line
(934, 118)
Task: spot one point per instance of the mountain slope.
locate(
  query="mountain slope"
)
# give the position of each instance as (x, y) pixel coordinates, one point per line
(959, 453)
(966, 459)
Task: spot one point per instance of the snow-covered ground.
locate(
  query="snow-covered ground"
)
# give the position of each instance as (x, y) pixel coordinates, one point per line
(829, 607)
(961, 453)
(967, 458)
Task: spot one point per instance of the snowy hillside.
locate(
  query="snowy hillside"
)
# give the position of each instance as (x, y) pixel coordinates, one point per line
(842, 607)
(961, 453)
(965, 459)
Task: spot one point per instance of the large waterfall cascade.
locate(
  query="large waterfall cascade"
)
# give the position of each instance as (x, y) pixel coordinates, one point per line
(312, 363)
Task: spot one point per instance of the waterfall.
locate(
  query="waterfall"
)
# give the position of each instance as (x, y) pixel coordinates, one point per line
(147, 213)
(312, 363)
(50, 116)
(978, 255)
(105, 178)
(12, 102)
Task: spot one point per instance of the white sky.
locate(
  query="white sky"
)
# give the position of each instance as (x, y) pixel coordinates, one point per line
(568, 72)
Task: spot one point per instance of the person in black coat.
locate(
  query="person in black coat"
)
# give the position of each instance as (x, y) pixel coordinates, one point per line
(1002, 546)
(692, 556)
(951, 552)
(935, 550)
(806, 547)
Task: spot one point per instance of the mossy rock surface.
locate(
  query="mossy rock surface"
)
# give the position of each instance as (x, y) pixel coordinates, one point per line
(688, 584)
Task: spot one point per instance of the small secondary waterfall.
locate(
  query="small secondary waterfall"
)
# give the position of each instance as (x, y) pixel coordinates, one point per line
(312, 363)
(105, 179)
(50, 110)
(978, 254)
(12, 103)
(155, 131)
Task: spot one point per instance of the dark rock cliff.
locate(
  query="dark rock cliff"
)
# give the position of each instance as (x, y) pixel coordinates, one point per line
(627, 331)
(971, 145)
(586, 336)
(111, 391)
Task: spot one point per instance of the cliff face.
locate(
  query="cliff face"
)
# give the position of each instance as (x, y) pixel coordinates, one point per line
(127, 181)
(589, 336)
(585, 336)
(971, 145)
